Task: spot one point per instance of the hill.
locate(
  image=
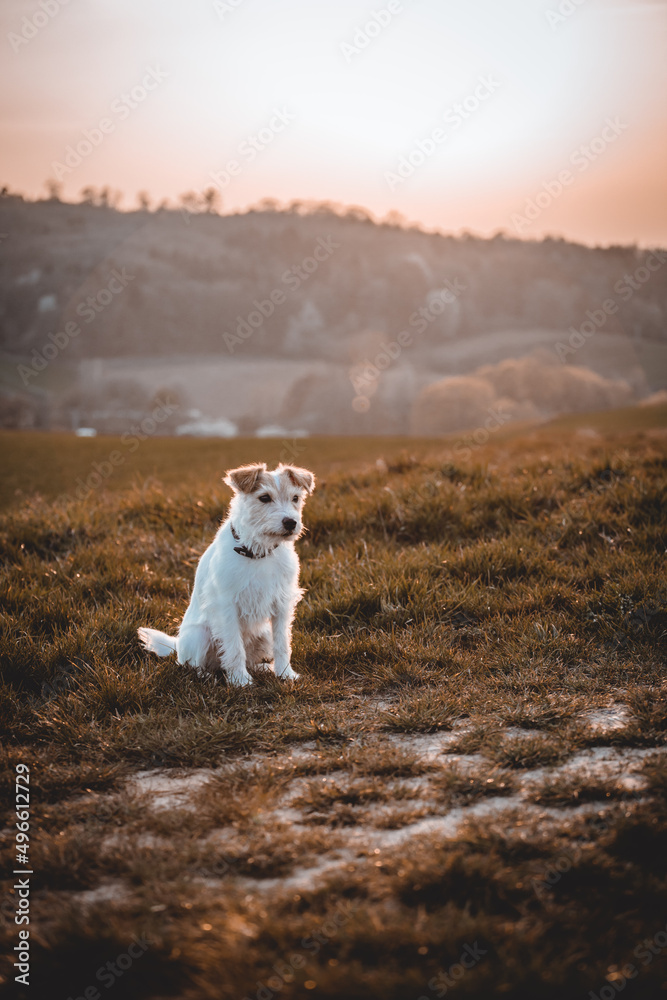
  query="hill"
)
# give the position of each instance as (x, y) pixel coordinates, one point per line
(102, 310)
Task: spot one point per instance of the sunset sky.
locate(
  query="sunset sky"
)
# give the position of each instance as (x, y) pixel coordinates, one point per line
(531, 116)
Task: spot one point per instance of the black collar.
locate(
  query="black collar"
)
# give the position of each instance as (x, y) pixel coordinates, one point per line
(243, 550)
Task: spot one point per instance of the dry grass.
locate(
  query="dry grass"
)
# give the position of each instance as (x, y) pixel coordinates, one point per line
(461, 620)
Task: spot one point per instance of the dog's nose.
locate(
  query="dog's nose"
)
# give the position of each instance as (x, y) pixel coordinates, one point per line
(289, 524)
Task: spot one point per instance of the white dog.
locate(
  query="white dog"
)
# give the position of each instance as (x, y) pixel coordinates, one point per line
(247, 582)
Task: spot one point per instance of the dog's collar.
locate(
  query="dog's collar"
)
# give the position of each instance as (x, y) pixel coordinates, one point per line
(243, 550)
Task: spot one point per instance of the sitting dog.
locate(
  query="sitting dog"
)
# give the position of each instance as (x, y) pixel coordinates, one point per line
(247, 581)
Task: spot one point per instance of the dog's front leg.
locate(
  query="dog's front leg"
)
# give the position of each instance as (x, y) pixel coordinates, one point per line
(281, 623)
(229, 643)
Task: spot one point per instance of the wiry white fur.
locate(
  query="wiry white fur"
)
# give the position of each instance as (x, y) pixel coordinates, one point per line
(241, 610)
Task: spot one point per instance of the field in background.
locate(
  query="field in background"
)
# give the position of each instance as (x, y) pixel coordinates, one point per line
(55, 464)
(465, 792)
(52, 464)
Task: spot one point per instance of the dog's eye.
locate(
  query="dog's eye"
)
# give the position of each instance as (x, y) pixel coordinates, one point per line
(295, 499)
(265, 498)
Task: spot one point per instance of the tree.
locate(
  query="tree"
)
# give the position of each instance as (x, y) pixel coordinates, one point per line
(395, 219)
(54, 189)
(190, 201)
(358, 214)
(268, 205)
(212, 200)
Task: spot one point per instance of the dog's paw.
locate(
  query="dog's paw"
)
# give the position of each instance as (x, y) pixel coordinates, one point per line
(239, 679)
(287, 674)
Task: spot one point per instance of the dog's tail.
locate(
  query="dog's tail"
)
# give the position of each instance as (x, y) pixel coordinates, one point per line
(157, 642)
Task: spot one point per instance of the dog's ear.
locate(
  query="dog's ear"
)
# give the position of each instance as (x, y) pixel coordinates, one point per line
(245, 478)
(301, 478)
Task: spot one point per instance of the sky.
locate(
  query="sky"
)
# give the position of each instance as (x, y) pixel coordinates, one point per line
(535, 117)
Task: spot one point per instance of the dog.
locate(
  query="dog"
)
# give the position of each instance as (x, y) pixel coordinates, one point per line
(247, 582)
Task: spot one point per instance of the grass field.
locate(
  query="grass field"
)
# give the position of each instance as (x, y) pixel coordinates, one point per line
(464, 795)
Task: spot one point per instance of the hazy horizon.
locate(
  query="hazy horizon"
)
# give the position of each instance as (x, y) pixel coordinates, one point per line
(128, 205)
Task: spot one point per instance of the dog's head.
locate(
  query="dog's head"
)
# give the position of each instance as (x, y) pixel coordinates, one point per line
(267, 506)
